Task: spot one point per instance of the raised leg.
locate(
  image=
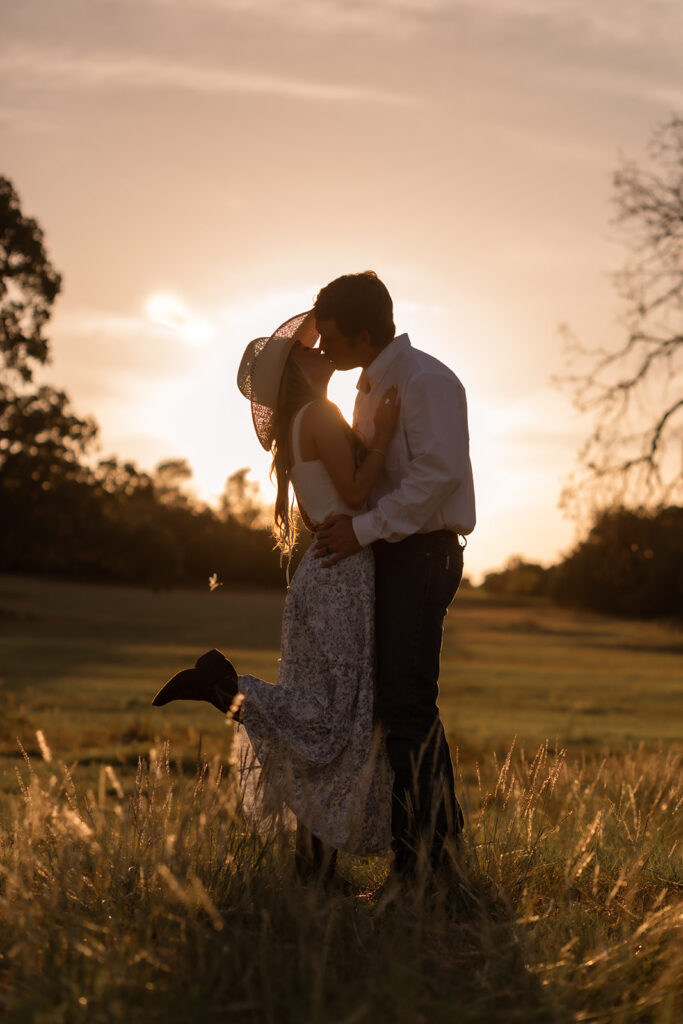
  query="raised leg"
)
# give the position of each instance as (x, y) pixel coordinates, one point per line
(213, 679)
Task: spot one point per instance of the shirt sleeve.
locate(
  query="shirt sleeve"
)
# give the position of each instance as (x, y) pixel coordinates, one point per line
(434, 419)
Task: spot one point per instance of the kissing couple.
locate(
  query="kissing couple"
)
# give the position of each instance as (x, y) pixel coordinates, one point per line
(349, 741)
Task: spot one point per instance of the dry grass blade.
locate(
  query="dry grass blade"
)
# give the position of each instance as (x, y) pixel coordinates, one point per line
(160, 904)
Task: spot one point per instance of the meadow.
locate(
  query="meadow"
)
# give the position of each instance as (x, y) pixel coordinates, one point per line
(130, 888)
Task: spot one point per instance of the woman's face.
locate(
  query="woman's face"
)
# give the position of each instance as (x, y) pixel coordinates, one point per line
(313, 363)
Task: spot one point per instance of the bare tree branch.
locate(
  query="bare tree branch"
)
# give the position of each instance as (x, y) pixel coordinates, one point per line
(633, 392)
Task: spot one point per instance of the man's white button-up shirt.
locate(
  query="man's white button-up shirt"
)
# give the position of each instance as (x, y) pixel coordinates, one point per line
(426, 482)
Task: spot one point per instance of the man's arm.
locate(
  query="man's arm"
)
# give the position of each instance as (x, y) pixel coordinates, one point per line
(335, 540)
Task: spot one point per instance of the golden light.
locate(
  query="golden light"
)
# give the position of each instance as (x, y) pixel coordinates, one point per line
(169, 311)
(342, 391)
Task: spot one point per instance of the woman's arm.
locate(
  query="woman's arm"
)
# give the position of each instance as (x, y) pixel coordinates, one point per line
(329, 433)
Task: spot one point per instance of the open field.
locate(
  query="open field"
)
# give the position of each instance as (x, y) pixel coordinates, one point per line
(135, 893)
(83, 662)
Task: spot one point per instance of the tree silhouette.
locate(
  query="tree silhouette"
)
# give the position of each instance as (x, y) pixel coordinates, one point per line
(42, 441)
(41, 438)
(629, 564)
(170, 477)
(62, 515)
(241, 501)
(634, 391)
(29, 285)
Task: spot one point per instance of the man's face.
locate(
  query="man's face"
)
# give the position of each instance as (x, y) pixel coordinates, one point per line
(340, 348)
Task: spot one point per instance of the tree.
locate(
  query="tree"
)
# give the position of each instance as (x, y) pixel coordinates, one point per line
(629, 564)
(518, 578)
(241, 501)
(634, 391)
(42, 441)
(29, 285)
(61, 515)
(41, 438)
(170, 477)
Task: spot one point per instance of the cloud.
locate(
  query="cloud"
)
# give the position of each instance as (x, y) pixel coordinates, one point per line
(321, 16)
(620, 21)
(325, 51)
(16, 119)
(169, 311)
(625, 20)
(159, 73)
(104, 354)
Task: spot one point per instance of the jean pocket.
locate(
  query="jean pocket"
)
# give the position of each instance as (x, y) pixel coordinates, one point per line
(447, 574)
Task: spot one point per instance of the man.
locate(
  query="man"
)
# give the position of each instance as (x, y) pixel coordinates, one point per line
(419, 509)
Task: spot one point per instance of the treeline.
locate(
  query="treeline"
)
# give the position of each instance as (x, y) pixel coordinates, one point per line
(62, 513)
(630, 565)
(114, 522)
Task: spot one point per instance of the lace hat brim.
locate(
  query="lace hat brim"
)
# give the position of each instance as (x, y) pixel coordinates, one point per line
(262, 365)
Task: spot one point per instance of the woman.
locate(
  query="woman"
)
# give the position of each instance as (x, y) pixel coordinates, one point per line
(309, 744)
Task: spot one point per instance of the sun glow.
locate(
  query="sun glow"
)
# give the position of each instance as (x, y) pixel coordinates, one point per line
(169, 311)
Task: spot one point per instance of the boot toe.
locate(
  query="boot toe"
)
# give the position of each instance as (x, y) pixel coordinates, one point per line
(179, 686)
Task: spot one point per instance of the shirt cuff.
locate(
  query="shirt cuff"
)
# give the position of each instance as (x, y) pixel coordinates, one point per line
(365, 528)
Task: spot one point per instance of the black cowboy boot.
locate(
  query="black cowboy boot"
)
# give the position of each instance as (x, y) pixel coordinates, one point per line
(213, 679)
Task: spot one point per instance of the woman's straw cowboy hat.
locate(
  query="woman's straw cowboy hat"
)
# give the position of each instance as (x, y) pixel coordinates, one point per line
(263, 363)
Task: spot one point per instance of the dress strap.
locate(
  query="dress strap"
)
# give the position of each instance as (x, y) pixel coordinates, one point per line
(296, 431)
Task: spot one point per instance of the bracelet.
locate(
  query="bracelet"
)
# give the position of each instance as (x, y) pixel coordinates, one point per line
(378, 450)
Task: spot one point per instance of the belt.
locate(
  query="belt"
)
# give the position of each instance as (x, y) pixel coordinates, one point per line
(430, 537)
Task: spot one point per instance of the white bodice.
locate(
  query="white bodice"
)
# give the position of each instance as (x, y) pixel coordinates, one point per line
(312, 484)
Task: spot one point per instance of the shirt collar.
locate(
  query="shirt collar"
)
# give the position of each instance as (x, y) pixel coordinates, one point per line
(379, 367)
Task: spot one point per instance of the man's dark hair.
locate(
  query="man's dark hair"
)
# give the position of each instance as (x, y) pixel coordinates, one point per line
(358, 302)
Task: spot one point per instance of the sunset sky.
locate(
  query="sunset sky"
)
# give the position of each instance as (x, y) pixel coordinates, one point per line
(202, 167)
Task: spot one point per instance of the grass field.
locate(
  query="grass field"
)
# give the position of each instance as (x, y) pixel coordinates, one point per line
(82, 663)
(129, 890)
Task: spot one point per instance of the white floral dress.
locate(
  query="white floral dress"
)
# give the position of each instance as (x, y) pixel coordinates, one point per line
(308, 746)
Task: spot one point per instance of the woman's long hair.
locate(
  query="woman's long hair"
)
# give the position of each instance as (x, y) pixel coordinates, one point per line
(295, 392)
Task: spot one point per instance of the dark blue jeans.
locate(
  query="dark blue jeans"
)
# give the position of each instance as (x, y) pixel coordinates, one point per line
(415, 581)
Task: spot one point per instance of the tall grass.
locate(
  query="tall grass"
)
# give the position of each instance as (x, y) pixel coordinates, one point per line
(150, 900)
